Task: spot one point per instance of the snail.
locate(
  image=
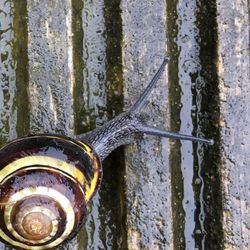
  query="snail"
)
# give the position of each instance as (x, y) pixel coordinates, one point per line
(46, 181)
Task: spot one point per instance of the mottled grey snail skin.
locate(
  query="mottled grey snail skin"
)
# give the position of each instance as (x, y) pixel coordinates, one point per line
(127, 127)
(46, 181)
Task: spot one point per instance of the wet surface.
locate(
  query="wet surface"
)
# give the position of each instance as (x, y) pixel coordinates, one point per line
(13, 72)
(50, 66)
(147, 168)
(14, 111)
(69, 66)
(7, 70)
(194, 166)
(234, 79)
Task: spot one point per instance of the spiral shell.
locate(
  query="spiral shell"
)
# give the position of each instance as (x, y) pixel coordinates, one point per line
(46, 182)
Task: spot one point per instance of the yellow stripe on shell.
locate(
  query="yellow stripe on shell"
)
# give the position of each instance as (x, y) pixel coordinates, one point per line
(48, 169)
(49, 192)
(95, 162)
(54, 163)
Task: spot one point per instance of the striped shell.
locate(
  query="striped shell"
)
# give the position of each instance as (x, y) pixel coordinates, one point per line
(46, 182)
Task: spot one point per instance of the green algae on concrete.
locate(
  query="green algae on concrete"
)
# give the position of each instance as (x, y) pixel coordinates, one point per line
(14, 104)
(14, 108)
(196, 199)
(69, 66)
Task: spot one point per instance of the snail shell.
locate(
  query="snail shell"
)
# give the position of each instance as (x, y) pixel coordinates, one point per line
(46, 182)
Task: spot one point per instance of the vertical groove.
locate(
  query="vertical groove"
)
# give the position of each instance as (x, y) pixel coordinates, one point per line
(98, 97)
(208, 120)
(7, 74)
(77, 46)
(192, 43)
(77, 7)
(14, 105)
(114, 57)
(175, 108)
(14, 79)
(114, 167)
(20, 54)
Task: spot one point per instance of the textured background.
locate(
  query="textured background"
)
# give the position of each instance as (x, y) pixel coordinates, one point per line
(69, 66)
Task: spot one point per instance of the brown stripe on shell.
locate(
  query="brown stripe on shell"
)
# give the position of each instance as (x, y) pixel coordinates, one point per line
(49, 149)
(48, 178)
(58, 147)
(47, 203)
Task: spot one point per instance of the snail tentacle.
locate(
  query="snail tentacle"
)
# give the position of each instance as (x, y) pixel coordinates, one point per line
(172, 135)
(47, 180)
(127, 127)
(142, 100)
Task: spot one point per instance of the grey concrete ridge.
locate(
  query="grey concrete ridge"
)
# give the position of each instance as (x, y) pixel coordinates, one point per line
(234, 82)
(90, 60)
(50, 66)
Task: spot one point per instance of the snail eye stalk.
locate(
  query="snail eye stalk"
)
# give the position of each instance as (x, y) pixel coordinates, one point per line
(125, 128)
(46, 181)
(142, 101)
(172, 135)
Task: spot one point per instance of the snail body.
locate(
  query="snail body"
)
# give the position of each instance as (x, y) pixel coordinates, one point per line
(46, 181)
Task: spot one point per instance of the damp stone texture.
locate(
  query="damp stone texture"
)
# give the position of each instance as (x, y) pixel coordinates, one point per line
(50, 66)
(234, 80)
(147, 171)
(144, 197)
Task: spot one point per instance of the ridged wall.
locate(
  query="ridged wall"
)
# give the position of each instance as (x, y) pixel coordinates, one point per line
(69, 66)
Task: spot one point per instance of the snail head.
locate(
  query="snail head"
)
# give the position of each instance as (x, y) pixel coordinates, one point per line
(129, 126)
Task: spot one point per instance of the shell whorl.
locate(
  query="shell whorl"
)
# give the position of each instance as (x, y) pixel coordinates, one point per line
(45, 184)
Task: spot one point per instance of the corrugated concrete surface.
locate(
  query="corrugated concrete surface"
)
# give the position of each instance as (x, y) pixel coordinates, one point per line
(147, 170)
(234, 79)
(68, 66)
(50, 66)
(8, 113)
